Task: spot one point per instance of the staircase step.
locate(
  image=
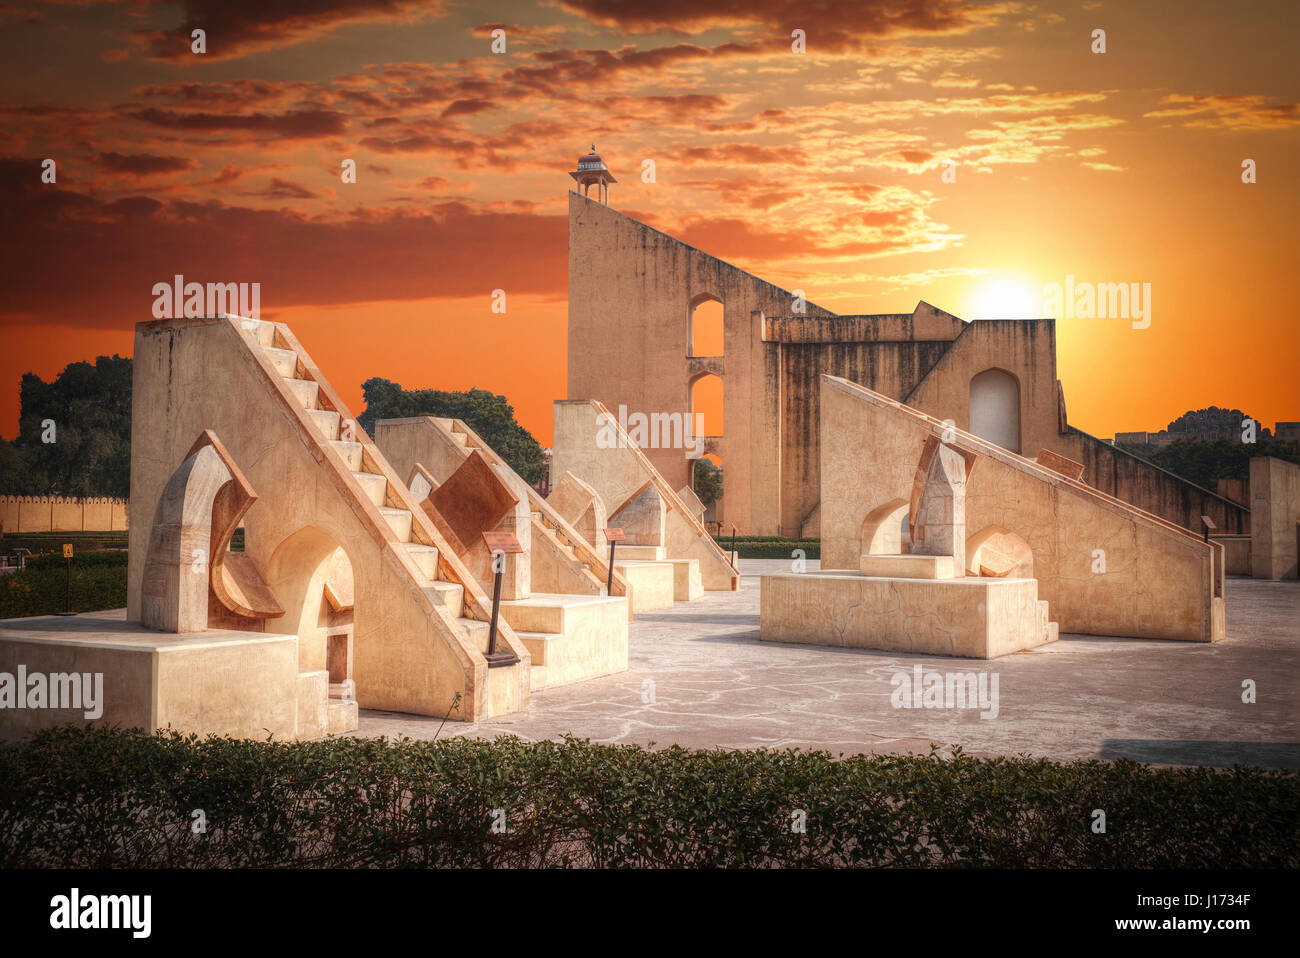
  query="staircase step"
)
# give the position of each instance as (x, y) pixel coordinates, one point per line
(263, 332)
(343, 717)
(477, 631)
(305, 391)
(374, 485)
(458, 438)
(350, 451)
(399, 520)
(537, 679)
(285, 361)
(425, 558)
(450, 594)
(639, 553)
(327, 421)
(535, 643)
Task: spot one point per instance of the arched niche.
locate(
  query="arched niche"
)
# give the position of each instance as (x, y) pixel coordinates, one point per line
(995, 551)
(311, 574)
(885, 530)
(995, 408)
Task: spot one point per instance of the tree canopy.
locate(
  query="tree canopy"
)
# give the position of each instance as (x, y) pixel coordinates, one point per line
(489, 415)
(708, 481)
(1209, 419)
(1205, 463)
(86, 412)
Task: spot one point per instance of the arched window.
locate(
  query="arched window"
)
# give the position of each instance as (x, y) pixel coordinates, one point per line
(995, 408)
(706, 399)
(706, 326)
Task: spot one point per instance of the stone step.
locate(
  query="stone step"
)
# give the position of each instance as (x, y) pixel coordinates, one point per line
(343, 716)
(313, 703)
(537, 678)
(399, 520)
(350, 451)
(285, 361)
(536, 643)
(425, 558)
(551, 613)
(373, 485)
(263, 332)
(450, 594)
(653, 583)
(458, 438)
(477, 632)
(305, 391)
(647, 553)
(327, 421)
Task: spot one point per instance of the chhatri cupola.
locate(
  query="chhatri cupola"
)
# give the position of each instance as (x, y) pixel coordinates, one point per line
(592, 169)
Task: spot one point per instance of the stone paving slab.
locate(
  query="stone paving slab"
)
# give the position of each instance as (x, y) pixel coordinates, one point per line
(699, 677)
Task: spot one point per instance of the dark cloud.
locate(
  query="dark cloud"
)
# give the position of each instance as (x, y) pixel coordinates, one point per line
(235, 28)
(290, 125)
(145, 164)
(69, 258)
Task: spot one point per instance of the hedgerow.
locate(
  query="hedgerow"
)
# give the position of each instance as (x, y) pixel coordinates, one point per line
(81, 797)
(98, 582)
(770, 547)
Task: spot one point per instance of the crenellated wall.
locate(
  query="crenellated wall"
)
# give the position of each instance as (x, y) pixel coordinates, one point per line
(59, 514)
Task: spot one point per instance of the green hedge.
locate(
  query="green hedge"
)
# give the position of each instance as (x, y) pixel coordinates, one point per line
(98, 582)
(75, 797)
(771, 547)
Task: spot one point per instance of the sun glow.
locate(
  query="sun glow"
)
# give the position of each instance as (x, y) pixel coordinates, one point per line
(1005, 298)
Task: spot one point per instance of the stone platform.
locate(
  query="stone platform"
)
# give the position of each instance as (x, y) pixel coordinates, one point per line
(653, 583)
(243, 684)
(570, 637)
(970, 617)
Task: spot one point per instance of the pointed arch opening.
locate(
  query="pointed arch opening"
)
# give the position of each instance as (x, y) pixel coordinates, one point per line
(706, 326)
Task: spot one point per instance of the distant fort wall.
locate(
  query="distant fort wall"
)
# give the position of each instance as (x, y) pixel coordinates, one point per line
(60, 514)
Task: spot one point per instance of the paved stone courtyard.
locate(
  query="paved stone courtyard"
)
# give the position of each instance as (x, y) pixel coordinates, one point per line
(698, 676)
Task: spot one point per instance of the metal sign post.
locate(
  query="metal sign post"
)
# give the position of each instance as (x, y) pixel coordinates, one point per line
(613, 534)
(67, 555)
(500, 544)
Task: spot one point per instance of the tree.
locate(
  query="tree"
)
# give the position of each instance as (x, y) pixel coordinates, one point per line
(1210, 419)
(708, 481)
(489, 415)
(1205, 463)
(74, 434)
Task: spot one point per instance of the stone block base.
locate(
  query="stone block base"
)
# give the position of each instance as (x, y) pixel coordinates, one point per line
(967, 617)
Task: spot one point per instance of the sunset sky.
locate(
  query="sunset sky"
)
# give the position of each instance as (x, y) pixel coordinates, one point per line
(820, 171)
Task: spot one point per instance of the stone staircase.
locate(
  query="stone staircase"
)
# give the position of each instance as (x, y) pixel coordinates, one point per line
(555, 533)
(374, 481)
(569, 635)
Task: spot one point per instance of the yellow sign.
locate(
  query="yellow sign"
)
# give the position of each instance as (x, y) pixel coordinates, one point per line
(67, 550)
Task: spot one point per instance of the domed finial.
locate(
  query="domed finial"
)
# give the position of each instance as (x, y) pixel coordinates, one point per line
(592, 171)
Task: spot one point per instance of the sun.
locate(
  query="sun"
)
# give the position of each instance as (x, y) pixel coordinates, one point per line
(1005, 298)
